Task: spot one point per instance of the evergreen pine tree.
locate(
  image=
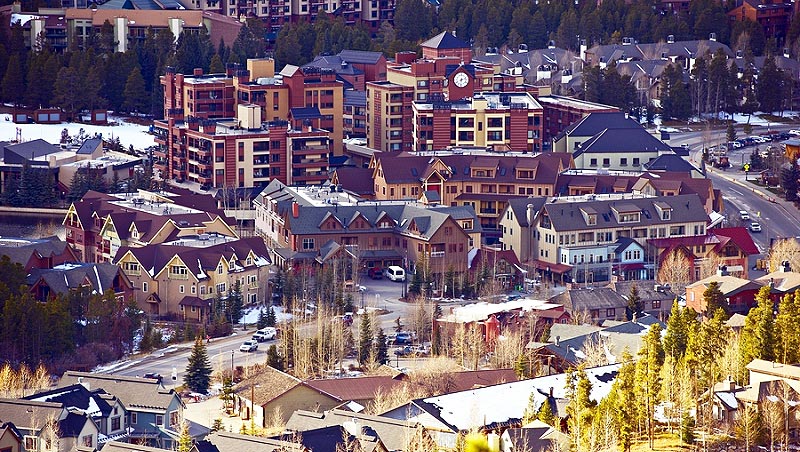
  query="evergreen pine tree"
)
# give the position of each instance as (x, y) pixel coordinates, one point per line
(217, 425)
(198, 371)
(216, 66)
(364, 339)
(262, 319)
(758, 334)
(271, 317)
(624, 391)
(135, 94)
(13, 89)
(546, 414)
(648, 376)
(714, 299)
(787, 329)
(381, 349)
(274, 359)
(635, 304)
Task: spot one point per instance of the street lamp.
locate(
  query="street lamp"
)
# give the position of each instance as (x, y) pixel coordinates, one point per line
(232, 351)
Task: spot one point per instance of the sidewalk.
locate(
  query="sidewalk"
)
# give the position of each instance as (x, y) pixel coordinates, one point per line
(206, 411)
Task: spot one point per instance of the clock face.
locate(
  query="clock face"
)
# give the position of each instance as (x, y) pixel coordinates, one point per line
(461, 79)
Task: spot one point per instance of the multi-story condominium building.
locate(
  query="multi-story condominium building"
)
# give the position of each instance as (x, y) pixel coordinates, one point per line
(484, 181)
(75, 26)
(246, 152)
(559, 113)
(100, 224)
(498, 121)
(184, 277)
(588, 238)
(248, 126)
(307, 230)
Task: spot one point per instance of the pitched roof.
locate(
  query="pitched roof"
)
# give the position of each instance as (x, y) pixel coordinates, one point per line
(622, 141)
(393, 433)
(346, 389)
(356, 180)
(154, 258)
(28, 414)
(63, 278)
(226, 442)
(361, 56)
(72, 425)
(594, 123)
(269, 384)
(738, 236)
(75, 396)
(775, 369)
(728, 285)
(589, 298)
(333, 438)
(21, 254)
(445, 40)
(519, 206)
(672, 163)
(781, 281)
(568, 216)
(505, 404)
(115, 446)
(134, 392)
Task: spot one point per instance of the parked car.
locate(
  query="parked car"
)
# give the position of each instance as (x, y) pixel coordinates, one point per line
(404, 351)
(794, 132)
(755, 227)
(375, 273)
(248, 346)
(403, 338)
(265, 334)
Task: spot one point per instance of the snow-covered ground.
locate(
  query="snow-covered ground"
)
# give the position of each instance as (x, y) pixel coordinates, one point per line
(128, 133)
(251, 315)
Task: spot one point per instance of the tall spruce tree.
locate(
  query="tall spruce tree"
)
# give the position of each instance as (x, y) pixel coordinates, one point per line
(198, 371)
(648, 377)
(365, 339)
(758, 334)
(787, 329)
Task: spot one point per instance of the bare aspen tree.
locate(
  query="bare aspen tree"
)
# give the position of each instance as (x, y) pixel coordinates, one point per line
(274, 424)
(773, 419)
(24, 377)
(675, 271)
(507, 349)
(476, 345)
(421, 319)
(748, 427)
(594, 352)
(8, 381)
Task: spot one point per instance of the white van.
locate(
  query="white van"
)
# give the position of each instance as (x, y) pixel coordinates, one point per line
(395, 273)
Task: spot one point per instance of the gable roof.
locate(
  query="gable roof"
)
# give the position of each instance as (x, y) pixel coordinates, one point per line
(269, 384)
(774, 369)
(393, 433)
(361, 56)
(445, 40)
(29, 415)
(519, 206)
(356, 180)
(589, 298)
(671, 162)
(221, 441)
(134, 392)
(738, 236)
(594, 123)
(333, 438)
(75, 396)
(355, 389)
(622, 141)
(728, 285)
(20, 252)
(63, 278)
(462, 411)
(781, 281)
(116, 446)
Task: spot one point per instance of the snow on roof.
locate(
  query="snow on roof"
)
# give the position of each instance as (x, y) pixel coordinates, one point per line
(480, 311)
(505, 402)
(728, 398)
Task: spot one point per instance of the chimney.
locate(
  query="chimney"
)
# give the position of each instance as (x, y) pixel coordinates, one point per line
(198, 71)
(531, 213)
(712, 36)
(558, 341)
(295, 210)
(83, 383)
(786, 52)
(193, 123)
(785, 267)
(551, 392)
(731, 384)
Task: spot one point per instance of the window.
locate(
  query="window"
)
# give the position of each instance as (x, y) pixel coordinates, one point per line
(221, 287)
(159, 419)
(181, 289)
(145, 287)
(115, 423)
(87, 441)
(610, 312)
(173, 418)
(134, 418)
(623, 162)
(178, 271)
(657, 304)
(592, 162)
(219, 268)
(30, 442)
(308, 244)
(606, 163)
(636, 161)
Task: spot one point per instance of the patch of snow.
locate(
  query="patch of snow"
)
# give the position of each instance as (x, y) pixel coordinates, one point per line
(115, 367)
(128, 133)
(251, 315)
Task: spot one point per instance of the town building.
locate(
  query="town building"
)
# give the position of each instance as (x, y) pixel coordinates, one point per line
(739, 293)
(585, 127)
(184, 277)
(70, 26)
(482, 180)
(496, 121)
(105, 410)
(619, 149)
(44, 425)
(154, 412)
(774, 17)
(589, 238)
(245, 127)
(99, 224)
(372, 234)
(684, 53)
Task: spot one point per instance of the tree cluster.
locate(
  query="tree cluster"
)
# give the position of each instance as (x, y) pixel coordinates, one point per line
(80, 328)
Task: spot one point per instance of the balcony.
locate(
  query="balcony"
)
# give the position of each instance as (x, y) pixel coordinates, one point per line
(488, 211)
(435, 254)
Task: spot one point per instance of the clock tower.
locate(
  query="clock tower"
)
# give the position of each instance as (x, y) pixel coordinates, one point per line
(460, 83)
